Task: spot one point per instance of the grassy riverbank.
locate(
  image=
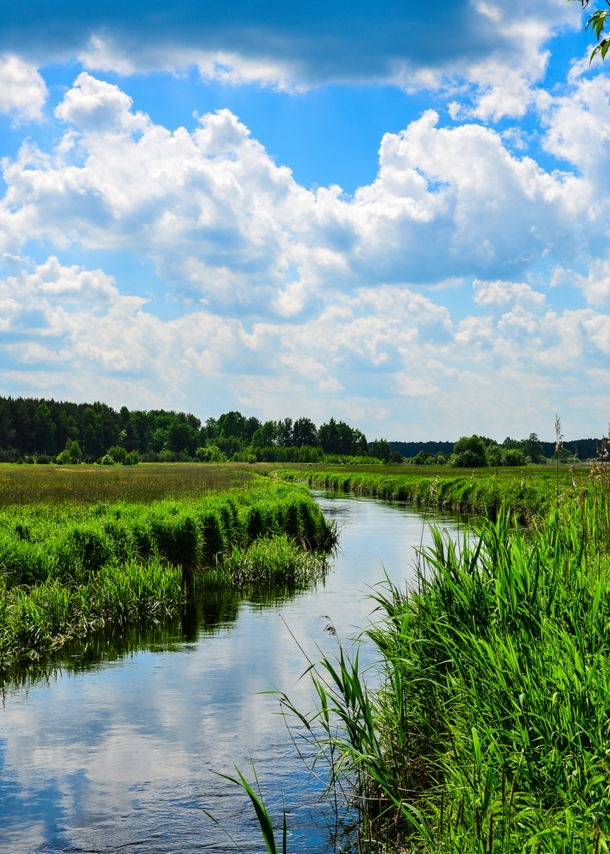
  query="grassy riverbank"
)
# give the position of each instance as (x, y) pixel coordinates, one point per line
(491, 731)
(524, 492)
(69, 568)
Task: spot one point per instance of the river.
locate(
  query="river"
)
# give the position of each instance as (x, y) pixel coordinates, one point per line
(112, 748)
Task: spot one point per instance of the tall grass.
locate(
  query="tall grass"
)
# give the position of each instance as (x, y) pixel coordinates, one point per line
(65, 570)
(90, 484)
(491, 729)
(524, 492)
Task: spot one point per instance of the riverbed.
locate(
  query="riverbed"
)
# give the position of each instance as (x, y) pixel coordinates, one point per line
(113, 747)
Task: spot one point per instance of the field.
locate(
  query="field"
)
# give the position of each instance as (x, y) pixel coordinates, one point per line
(89, 484)
(69, 566)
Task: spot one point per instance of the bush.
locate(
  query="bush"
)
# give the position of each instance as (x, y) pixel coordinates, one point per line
(469, 452)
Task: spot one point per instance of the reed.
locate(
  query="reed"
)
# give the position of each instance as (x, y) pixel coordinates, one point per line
(489, 732)
(68, 569)
(521, 492)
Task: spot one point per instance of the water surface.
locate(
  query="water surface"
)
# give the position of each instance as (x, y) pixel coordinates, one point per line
(112, 749)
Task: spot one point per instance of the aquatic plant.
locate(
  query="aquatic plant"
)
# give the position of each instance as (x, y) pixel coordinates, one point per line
(522, 492)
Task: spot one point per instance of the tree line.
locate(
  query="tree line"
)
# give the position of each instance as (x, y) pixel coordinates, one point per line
(477, 451)
(41, 430)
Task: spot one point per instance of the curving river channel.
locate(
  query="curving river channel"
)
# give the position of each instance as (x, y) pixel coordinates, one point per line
(113, 747)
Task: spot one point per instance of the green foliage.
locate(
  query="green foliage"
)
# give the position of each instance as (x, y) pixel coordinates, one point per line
(469, 452)
(484, 493)
(489, 732)
(380, 449)
(337, 437)
(64, 566)
(597, 24)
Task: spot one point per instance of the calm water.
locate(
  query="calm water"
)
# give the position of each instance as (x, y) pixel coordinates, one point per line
(113, 749)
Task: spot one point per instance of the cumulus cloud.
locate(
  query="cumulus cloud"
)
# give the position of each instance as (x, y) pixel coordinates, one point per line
(500, 293)
(386, 354)
(226, 225)
(295, 295)
(22, 90)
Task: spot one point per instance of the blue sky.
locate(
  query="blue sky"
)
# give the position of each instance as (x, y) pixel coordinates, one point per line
(391, 214)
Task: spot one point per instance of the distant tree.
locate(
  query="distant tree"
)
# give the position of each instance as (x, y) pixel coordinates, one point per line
(266, 435)
(469, 452)
(7, 433)
(337, 437)
(232, 424)
(513, 457)
(182, 436)
(494, 455)
(93, 434)
(44, 430)
(532, 447)
(67, 429)
(304, 432)
(380, 449)
(252, 425)
(285, 433)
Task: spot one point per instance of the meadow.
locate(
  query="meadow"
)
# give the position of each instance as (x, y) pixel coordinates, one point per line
(90, 484)
(70, 566)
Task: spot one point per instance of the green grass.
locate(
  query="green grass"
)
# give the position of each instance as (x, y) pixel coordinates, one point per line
(524, 492)
(491, 730)
(67, 569)
(90, 484)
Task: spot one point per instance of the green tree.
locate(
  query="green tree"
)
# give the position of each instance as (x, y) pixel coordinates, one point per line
(285, 433)
(266, 435)
(469, 452)
(380, 449)
(304, 432)
(44, 430)
(532, 448)
(93, 434)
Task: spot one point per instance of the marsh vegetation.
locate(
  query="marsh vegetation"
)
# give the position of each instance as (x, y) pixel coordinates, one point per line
(68, 568)
(489, 731)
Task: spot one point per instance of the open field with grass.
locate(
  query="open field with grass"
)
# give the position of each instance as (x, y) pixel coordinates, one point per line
(89, 484)
(526, 491)
(70, 567)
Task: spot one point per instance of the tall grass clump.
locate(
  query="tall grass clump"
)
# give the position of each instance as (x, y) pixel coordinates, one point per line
(67, 569)
(490, 731)
(524, 492)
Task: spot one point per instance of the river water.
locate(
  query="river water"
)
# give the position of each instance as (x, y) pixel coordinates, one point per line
(113, 747)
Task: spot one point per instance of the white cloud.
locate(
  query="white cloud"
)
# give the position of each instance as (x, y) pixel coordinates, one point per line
(297, 296)
(499, 293)
(94, 105)
(22, 90)
(227, 225)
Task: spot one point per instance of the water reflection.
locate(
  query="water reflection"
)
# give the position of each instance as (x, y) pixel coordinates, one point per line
(111, 746)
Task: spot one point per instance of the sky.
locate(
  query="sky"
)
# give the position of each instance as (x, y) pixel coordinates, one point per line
(392, 214)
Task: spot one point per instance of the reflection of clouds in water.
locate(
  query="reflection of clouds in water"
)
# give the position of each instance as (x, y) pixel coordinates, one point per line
(124, 752)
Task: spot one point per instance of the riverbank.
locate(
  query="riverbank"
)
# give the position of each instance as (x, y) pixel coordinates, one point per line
(490, 730)
(523, 492)
(69, 568)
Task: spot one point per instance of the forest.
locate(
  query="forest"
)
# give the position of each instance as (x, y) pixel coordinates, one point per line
(44, 431)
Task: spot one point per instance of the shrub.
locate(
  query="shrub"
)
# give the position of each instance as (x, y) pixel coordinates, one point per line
(469, 452)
